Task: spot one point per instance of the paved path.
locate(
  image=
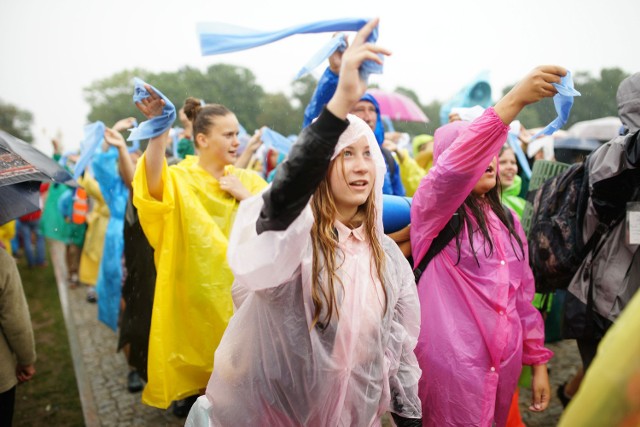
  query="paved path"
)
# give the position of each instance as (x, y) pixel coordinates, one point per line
(101, 372)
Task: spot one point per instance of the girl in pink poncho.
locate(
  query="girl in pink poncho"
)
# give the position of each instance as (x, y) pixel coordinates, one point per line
(478, 324)
(327, 310)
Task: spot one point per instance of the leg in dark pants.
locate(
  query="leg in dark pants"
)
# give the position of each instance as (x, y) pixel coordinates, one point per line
(7, 402)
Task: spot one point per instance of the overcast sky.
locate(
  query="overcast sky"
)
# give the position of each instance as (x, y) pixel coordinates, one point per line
(50, 50)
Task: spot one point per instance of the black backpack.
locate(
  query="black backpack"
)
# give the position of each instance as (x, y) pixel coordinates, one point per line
(447, 234)
(556, 244)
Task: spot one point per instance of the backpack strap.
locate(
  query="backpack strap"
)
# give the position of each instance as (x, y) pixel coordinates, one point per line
(447, 234)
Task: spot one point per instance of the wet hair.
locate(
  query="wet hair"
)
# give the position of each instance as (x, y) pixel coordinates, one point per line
(474, 206)
(203, 117)
(325, 244)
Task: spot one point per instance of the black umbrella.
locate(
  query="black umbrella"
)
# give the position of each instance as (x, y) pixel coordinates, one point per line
(22, 168)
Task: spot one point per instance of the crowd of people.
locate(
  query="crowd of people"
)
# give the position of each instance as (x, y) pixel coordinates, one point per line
(254, 287)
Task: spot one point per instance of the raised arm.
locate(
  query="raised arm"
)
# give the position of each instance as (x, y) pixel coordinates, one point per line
(114, 138)
(154, 156)
(460, 166)
(299, 176)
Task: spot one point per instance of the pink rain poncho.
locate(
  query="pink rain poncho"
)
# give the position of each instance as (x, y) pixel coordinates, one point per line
(272, 368)
(478, 324)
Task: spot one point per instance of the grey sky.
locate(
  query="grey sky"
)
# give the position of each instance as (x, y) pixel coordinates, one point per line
(52, 49)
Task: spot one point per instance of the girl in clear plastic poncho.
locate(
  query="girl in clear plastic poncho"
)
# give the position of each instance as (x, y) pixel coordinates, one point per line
(186, 212)
(327, 312)
(476, 293)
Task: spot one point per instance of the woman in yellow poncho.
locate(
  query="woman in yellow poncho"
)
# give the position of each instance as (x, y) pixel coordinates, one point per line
(97, 221)
(186, 212)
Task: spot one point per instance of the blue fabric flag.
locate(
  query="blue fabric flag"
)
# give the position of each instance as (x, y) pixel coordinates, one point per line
(276, 141)
(115, 194)
(218, 37)
(337, 43)
(478, 92)
(514, 143)
(563, 101)
(93, 137)
(157, 125)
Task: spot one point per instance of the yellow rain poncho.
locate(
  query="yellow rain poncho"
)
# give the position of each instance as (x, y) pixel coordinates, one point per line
(192, 305)
(610, 391)
(97, 221)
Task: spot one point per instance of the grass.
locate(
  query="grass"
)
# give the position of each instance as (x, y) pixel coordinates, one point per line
(51, 398)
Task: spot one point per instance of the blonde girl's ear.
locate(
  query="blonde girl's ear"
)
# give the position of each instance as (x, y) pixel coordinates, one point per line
(201, 140)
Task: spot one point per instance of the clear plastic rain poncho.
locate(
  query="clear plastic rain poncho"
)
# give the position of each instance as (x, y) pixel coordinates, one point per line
(479, 324)
(273, 368)
(188, 230)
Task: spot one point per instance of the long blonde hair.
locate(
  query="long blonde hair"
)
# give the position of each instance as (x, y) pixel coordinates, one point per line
(325, 245)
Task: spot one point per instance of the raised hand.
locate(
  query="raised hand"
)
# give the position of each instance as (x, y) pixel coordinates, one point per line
(152, 105)
(350, 87)
(124, 124)
(114, 138)
(335, 60)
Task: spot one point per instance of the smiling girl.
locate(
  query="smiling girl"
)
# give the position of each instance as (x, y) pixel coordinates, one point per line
(186, 212)
(479, 326)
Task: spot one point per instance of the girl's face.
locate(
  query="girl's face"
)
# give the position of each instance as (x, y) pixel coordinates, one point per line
(351, 178)
(508, 168)
(487, 180)
(220, 143)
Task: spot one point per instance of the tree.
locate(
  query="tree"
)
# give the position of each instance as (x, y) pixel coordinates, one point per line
(16, 122)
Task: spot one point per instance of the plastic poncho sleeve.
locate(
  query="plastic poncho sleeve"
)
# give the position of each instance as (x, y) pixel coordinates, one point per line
(404, 371)
(116, 195)
(450, 181)
(273, 229)
(324, 91)
(155, 210)
(410, 173)
(533, 350)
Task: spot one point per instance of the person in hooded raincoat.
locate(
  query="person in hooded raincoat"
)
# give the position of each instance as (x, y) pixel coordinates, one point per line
(186, 212)
(476, 293)
(367, 108)
(336, 350)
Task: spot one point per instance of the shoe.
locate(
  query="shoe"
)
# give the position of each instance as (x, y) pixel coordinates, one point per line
(564, 399)
(134, 383)
(73, 281)
(92, 297)
(182, 407)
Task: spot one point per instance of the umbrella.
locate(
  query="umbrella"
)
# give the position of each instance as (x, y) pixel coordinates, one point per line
(22, 168)
(398, 106)
(603, 129)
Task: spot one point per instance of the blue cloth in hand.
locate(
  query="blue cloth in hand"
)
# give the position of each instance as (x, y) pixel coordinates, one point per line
(563, 101)
(93, 137)
(157, 125)
(218, 37)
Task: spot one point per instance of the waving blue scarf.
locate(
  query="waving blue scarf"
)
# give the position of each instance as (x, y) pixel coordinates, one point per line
(93, 137)
(157, 125)
(563, 101)
(337, 43)
(477, 92)
(218, 37)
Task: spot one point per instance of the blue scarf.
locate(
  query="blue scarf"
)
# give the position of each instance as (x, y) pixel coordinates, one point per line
(93, 137)
(218, 37)
(158, 125)
(563, 101)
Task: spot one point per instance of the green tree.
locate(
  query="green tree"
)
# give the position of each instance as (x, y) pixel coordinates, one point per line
(16, 122)
(278, 114)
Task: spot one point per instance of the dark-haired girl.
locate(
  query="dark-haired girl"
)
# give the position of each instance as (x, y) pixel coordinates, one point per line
(478, 324)
(186, 212)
